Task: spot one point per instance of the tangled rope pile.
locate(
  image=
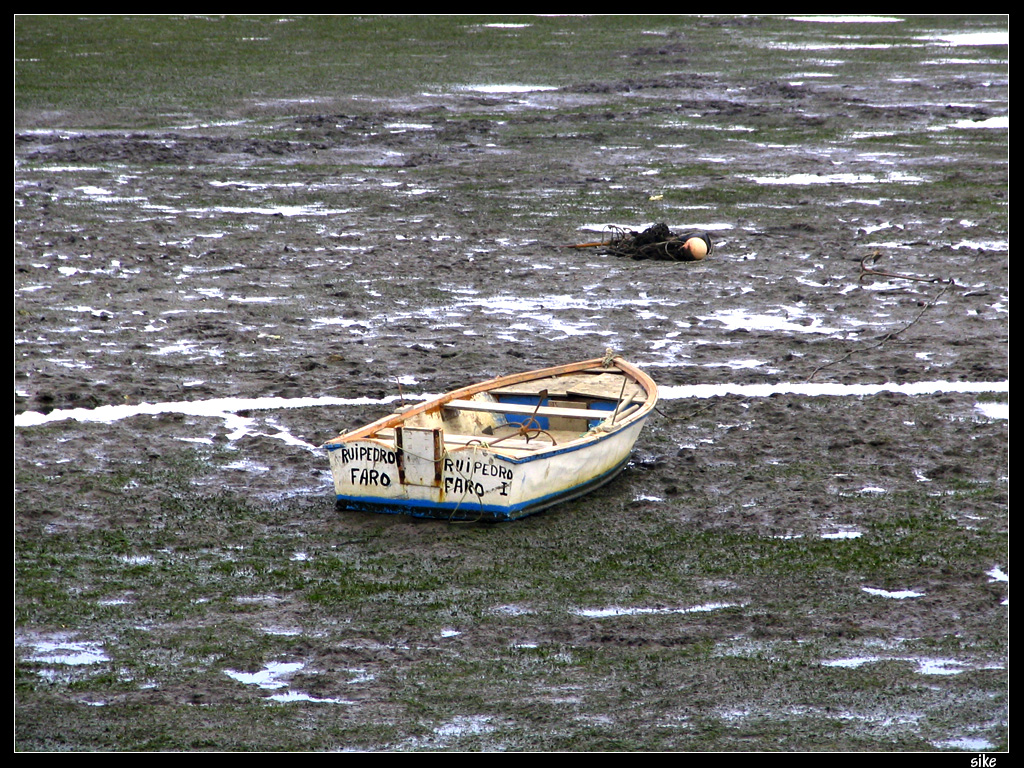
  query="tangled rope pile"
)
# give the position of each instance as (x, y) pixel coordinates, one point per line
(657, 242)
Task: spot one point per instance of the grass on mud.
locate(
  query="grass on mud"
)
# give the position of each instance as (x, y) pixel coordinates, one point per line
(199, 65)
(490, 622)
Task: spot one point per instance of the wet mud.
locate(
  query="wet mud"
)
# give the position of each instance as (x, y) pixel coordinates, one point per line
(363, 248)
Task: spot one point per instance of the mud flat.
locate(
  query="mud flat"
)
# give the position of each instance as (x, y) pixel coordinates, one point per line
(342, 209)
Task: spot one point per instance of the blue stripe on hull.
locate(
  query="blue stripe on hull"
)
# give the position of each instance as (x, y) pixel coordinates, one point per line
(465, 510)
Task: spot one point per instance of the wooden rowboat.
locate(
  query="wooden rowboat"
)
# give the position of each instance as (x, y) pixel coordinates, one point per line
(498, 450)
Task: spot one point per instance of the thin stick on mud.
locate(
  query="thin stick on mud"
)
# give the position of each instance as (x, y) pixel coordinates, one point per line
(401, 395)
(596, 244)
(892, 334)
(864, 271)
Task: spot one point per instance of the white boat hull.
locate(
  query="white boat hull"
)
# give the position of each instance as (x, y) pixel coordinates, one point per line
(425, 471)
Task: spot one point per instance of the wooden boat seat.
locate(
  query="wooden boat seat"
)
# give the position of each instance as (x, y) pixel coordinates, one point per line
(585, 385)
(518, 445)
(520, 409)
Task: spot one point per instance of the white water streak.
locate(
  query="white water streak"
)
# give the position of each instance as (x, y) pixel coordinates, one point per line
(228, 407)
(811, 389)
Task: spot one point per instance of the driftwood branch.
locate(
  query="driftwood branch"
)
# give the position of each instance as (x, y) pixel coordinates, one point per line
(864, 270)
(888, 337)
(874, 257)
